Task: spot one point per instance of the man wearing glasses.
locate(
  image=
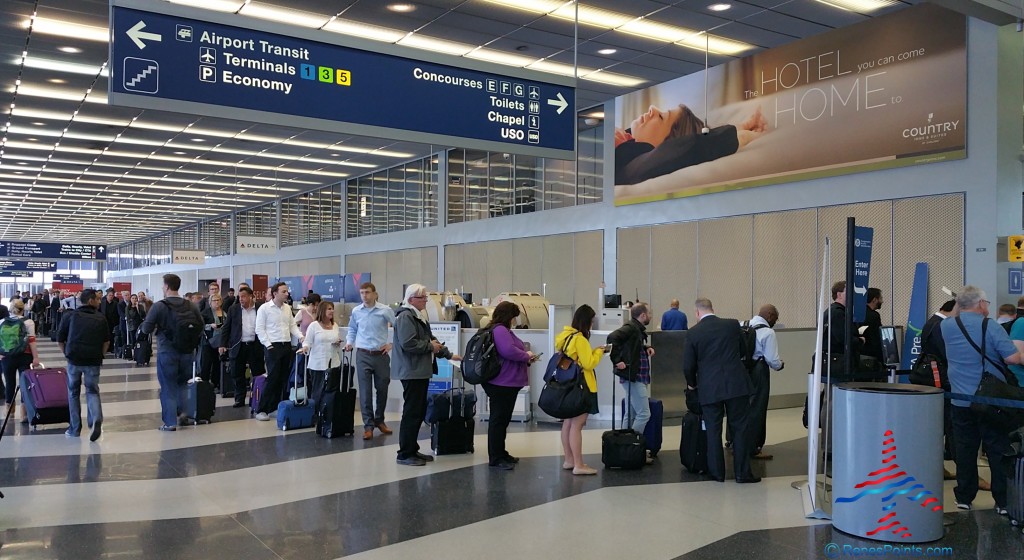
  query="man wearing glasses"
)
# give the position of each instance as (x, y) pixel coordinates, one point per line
(414, 352)
(976, 344)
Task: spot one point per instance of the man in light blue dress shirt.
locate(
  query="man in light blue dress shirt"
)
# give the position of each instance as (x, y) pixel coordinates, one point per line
(368, 333)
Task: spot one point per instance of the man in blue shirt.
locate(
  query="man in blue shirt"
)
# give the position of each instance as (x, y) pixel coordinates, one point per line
(673, 319)
(368, 333)
(965, 368)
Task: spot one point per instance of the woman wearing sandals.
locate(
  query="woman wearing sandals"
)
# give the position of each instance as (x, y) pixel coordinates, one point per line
(575, 339)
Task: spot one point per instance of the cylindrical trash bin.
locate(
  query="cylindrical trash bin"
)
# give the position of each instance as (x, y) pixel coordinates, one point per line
(887, 461)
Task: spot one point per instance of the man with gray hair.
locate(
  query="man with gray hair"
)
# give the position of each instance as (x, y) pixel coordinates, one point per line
(713, 365)
(974, 345)
(413, 363)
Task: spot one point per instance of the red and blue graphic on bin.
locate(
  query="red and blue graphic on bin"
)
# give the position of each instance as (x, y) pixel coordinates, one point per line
(891, 477)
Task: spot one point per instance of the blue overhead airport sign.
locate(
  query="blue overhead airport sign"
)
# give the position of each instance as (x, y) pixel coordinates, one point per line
(42, 266)
(61, 251)
(186, 60)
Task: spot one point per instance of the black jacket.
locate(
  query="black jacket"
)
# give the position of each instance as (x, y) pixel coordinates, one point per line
(713, 360)
(873, 335)
(83, 333)
(231, 330)
(109, 310)
(628, 341)
(836, 334)
(931, 338)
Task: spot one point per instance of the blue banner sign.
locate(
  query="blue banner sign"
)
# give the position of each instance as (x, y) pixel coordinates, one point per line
(917, 317)
(294, 284)
(17, 273)
(862, 239)
(352, 281)
(249, 69)
(62, 251)
(67, 278)
(328, 286)
(1015, 282)
(28, 265)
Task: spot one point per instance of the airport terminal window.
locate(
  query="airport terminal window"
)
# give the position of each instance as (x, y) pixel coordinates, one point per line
(215, 237)
(311, 217)
(397, 199)
(140, 253)
(491, 184)
(186, 238)
(259, 221)
(159, 249)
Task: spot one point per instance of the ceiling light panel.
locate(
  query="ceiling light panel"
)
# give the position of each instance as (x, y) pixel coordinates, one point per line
(500, 57)
(437, 45)
(861, 6)
(230, 6)
(61, 66)
(597, 17)
(292, 17)
(364, 30)
(68, 30)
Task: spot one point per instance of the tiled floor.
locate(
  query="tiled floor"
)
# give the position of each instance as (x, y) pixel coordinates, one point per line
(238, 488)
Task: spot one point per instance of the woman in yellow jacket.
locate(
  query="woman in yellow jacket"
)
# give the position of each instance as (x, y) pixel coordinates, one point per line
(579, 349)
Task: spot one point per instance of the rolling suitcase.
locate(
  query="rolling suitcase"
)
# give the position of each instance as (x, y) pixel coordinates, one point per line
(48, 390)
(200, 398)
(227, 383)
(653, 432)
(693, 447)
(453, 430)
(1015, 490)
(622, 448)
(337, 407)
(296, 414)
(143, 349)
(258, 383)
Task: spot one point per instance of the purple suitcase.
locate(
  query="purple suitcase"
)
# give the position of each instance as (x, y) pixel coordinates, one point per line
(258, 383)
(48, 387)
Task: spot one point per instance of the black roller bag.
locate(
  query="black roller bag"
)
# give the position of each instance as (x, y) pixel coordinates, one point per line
(693, 447)
(452, 419)
(622, 448)
(336, 416)
(200, 397)
(143, 349)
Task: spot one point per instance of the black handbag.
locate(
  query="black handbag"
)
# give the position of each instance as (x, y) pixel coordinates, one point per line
(565, 393)
(866, 368)
(622, 448)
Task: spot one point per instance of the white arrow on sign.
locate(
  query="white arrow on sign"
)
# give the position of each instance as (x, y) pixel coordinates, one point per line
(561, 103)
(137, 34)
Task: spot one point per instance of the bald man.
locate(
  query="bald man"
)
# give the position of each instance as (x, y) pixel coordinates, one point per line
(673, 319)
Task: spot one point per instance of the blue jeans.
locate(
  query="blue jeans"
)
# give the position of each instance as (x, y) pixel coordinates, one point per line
(638, 405)
(91, 376)
(173, 370)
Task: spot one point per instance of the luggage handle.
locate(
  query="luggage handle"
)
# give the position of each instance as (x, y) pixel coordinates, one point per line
(305, 375)
(348, 371)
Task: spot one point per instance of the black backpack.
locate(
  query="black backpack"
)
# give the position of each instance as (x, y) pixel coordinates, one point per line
(480, 362)
(749, 338)
(188, 327)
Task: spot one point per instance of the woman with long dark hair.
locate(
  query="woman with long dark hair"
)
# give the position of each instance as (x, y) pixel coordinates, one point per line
(574, 340)
(504, 389)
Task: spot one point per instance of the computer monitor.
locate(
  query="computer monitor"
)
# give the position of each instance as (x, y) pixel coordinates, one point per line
(890, 347)
(612, 300)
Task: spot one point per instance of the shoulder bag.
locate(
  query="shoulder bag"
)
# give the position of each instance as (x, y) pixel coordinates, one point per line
(565, 392)
(1004, 419)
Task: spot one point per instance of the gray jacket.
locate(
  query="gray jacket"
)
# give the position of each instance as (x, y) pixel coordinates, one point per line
(412, 356)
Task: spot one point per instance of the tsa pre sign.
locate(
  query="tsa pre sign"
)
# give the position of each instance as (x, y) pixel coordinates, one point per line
(201, 62)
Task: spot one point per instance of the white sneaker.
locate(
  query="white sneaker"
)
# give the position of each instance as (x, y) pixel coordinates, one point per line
(262, 416)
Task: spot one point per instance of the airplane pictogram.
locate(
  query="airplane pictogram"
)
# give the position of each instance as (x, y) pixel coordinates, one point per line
(891, 477)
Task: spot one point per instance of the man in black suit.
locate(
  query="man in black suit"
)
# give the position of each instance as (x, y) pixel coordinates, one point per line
(712, 363)
(238, 339)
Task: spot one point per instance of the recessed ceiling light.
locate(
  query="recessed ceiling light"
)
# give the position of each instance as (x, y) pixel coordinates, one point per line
(37, 123)
(179, 153)
(719, 7)
(57, 81)
(199, 140)
(402, 8)
(22, 163)
(33, 139)
(71, 50)
(607, 51)
(335, 155)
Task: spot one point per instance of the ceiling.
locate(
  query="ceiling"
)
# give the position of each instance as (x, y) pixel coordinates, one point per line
(73, 168)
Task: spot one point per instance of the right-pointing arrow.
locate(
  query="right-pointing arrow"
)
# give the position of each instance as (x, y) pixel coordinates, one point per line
(561, 103)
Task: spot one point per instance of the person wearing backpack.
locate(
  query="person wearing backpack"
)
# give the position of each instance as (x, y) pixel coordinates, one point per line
(765, 356)
(178, 327)
(84, 338)
(504, 389)
(18, 348)
(574, 341)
